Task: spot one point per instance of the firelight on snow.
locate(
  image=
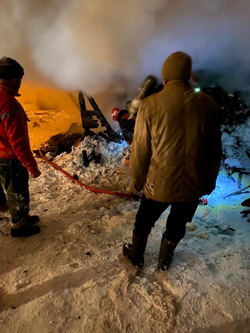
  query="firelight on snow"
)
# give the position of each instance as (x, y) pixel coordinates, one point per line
(76, 265)
(72, 276)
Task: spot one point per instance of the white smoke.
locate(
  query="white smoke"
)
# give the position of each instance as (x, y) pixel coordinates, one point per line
(91, 43)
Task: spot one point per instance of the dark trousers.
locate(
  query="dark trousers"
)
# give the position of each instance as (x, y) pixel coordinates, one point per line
(150, 211)
(14, 178)
(3, 199)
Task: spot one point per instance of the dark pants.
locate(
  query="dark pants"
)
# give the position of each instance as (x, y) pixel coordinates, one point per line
(150, 211)
(3, 199)
(14, 178)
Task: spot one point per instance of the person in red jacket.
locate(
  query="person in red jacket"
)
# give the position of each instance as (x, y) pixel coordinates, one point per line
(16, 159)
(127, 124)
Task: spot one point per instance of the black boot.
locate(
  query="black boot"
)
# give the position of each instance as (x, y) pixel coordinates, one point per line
(166, 254)
(32, 219)
(135, 251)
(25, 230)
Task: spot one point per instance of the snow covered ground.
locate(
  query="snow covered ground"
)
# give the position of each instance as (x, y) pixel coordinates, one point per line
(237, 143)
(72, 277)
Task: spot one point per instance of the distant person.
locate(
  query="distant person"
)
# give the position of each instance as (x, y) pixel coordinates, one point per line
(16, 159)
(175, 159)
(149, 86)
(127, 125)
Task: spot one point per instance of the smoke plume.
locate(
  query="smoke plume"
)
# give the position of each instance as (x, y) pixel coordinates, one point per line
(95, 44)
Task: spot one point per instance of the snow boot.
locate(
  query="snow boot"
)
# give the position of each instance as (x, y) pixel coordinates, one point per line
(32, 219)
(166, 254)
(25, 230)
(135, 251)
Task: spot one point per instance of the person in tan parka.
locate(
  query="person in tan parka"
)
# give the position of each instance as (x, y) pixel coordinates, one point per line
(176, 154)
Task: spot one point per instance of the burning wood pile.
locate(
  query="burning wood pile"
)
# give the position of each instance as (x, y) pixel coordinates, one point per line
(91, 119)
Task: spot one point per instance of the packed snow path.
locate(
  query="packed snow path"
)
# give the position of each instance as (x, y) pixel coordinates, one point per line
(72, 278)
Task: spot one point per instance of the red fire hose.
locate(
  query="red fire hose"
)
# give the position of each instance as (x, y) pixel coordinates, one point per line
(90, 188)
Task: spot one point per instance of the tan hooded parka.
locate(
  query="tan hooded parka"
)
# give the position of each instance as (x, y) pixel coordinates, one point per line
(176, 150)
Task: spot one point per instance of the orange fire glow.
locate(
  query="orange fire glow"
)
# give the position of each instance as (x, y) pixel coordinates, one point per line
(52, 111)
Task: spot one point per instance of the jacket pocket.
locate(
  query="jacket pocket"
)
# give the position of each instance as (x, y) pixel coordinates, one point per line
(150, 188)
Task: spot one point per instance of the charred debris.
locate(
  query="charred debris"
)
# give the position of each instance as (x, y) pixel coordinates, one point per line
(91, 119)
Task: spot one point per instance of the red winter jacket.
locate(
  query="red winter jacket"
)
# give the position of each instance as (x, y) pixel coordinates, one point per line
(14, 138)
(127, 125)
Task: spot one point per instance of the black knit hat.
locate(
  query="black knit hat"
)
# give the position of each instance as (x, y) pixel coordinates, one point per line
(10, 69)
